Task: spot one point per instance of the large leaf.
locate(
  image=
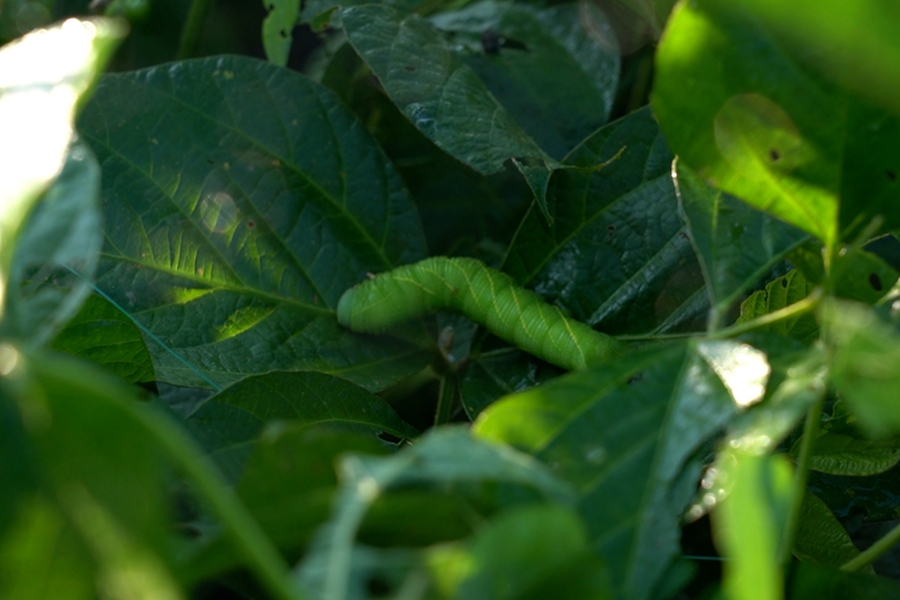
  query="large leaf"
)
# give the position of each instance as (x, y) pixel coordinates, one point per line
(240, 202)
(845, 455)
(487, 110)
(43, 77)
(817, 582)
(617, 255)
(625, 435)
(820, 536)
(56, 253)
(783, 141)
(735, 244)
(780, 293)
(229, 424)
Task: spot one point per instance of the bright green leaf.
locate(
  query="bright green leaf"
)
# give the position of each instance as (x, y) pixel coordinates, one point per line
(241, 200)
(749, 523)
(780, 293)
(278, 27)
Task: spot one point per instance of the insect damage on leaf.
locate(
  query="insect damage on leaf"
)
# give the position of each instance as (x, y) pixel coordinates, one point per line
(488, 297)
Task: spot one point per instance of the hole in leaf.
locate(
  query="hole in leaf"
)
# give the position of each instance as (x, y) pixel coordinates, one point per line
(409, 68)
(389, 438)
(784, 283)
(283, 33)
(377, 587)
(251, 224)
(891, 174)
(875, 282)
(774, 155)
(210, 161)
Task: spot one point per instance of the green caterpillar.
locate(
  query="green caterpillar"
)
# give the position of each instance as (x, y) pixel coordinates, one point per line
(488, 297)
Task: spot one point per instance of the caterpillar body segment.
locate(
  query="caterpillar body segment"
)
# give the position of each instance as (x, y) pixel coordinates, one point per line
(484, 295)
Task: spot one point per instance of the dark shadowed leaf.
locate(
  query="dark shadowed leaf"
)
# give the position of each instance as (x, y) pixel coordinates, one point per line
(241, 200)
(617, 255)
(229, 424)
(817, 582)
(820, 536)
(844, 455)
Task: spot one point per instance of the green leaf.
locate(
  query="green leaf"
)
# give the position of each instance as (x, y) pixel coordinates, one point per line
(46, 75)
(816, 582)
(780, 293)
(103, 334)
(101, 473)
(486, 110)
(234, 221)
(445, 456)
(785, 141)
(56, 253)
(618, 256)
(844, 455)
(624, 434)
(508, 560)
(278, 27)
(864, 365)
(820, 536)
(863, 276)
(749, 524)
(229, 424)
(496, 374)
(736, 245)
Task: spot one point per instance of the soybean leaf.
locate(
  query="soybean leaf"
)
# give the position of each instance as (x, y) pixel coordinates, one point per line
(810, 581)
(618, 255)
(484, 110)
(45, 77)
(103, 334)
(844, 455)
(735, 244)
(787, 143)
(625, 435)
(508, 560)
(780, 293)
(56, 253)
(240, 202)
(443, 457)
(101, 474)
(749, 524)
(821, 537)
(277, 29)
(864, 364)
(496, 374)
(229, 424)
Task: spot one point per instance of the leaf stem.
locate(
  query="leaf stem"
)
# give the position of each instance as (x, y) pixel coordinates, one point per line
(193, 26)
(874, 551)
(446, 398)
(794, 310)
(250, 541)
(810, 433)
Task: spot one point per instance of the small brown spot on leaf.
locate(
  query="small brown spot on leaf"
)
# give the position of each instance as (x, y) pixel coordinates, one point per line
(891, 174)
(251, 224)
(774, 155)
(409, 68)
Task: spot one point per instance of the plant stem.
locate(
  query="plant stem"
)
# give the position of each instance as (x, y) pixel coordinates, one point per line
(874, 551)
(794, 310)
(446, 398)
(190, 35)
(810, 433)
(250, 541)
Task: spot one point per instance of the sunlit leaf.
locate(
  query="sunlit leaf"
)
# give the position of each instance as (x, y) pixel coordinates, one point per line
(241, 200)
(278, 27)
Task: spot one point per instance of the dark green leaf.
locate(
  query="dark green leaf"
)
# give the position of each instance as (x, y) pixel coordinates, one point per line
(103, 334)
(624, 434)
(844, 455)
(735, 244)
(820, 536)
(816, 582)
(497, 374)
(240, 202)
(230, 423)
(617, 255)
